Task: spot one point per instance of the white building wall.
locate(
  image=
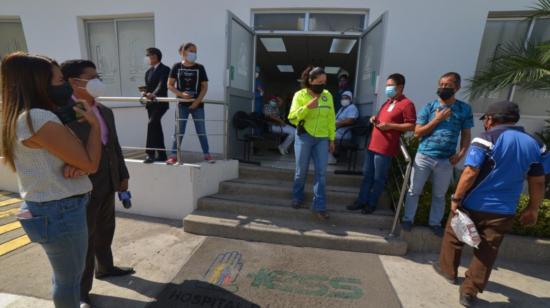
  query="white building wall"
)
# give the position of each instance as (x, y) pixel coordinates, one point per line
(424, 39)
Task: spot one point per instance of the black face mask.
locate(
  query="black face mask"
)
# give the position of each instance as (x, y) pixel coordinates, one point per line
(445, 93)
(60, 95)
(317, 88)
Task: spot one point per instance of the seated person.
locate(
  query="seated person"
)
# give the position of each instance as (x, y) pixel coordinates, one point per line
(272, 112)
(345, 117)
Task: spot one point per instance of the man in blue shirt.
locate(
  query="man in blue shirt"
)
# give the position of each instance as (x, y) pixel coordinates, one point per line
(438, 125)
(497, 164)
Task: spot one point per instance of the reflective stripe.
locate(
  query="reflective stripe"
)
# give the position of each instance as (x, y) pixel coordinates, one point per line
(483, 142)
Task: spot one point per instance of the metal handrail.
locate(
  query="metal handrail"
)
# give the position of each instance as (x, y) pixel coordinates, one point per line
(143, 100)
(404, 187)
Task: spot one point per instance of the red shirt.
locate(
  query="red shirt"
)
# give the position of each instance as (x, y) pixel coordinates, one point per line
(387, 142)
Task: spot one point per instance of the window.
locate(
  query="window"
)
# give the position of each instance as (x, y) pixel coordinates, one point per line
(345, 21)
(11, 37)
(288, 22)
(117, 47)
(499, 32)
(336, 22)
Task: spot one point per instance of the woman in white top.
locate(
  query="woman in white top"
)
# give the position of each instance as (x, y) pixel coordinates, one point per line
(42, 151)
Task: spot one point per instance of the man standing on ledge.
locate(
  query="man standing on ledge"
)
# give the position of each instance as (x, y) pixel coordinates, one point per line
(497, 164)
(111, 176)
(156, 79)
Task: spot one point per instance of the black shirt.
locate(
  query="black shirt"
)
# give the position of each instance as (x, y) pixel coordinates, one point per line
(189, 78)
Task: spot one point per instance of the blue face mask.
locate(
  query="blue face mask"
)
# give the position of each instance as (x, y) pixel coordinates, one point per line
(391, 91)
(191, 57)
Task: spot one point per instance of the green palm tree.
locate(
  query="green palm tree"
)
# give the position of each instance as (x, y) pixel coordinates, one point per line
(527, 66)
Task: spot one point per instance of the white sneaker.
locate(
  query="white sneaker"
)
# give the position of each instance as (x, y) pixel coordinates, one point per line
(332, 160)
(282, 150)
(84, 305)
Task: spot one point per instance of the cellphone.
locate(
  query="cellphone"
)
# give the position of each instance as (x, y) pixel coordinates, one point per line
(80, 105)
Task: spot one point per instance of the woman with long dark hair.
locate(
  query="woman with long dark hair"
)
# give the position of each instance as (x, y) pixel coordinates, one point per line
(41, 150)
(312, 112)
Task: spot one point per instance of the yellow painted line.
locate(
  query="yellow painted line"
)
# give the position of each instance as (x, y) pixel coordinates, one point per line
(10, 201)
(8, 213)
(14, 244)
(10, 227)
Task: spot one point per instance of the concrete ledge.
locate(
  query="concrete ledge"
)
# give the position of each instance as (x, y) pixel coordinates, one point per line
(159, 190)
(513, 248)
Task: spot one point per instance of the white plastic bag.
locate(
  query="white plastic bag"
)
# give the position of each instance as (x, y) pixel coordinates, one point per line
(465, 229)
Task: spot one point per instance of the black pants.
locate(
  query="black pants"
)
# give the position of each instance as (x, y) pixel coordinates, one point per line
(101, 229)
(155, 136)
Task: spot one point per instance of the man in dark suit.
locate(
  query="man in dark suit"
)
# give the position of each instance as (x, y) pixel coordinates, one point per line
(111, 176)
(156, 79)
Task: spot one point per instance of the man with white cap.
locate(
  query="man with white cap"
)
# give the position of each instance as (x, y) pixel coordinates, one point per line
(345, 117)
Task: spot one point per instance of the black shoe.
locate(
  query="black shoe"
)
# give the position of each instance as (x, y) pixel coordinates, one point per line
(296, 204)
(322, 215)
(355, 206)
(437, 230)
(437, 269)
(467, 300)
(115, 271)
(406, 226)
(161, 158)
(148, 160)
(367, 210)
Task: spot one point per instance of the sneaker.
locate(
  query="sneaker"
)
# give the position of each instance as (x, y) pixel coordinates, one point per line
(437, 230)
(437, 269)
(171, 161)
(85, 305)
(282, 150)
(407, 226)
(208, 157)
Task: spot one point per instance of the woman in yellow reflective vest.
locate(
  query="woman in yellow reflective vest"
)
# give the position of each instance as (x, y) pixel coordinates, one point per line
(312, 112)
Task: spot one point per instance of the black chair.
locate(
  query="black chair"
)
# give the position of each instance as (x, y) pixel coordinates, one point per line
(243, 122)
(360, 135)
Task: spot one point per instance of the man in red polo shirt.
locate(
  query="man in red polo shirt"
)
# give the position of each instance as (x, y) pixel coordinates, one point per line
(396, 116)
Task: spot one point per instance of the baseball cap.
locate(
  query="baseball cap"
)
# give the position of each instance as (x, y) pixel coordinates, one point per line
(504, 109)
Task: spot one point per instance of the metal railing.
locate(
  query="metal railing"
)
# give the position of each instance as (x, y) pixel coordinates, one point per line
(178, 137)
(403, 174)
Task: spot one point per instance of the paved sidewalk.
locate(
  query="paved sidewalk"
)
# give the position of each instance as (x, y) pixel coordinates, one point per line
(158, 249)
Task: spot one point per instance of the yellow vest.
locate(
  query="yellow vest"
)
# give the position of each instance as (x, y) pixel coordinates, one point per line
(318, 122)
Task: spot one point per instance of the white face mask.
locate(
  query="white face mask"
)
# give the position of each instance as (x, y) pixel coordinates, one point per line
(345, 102)
(95, 88)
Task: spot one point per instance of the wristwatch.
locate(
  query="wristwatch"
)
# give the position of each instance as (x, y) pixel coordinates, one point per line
(455, 199)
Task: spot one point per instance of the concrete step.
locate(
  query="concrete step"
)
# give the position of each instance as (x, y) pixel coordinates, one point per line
(255, 172)
(268, 207)
(296, 232)
(340, 196)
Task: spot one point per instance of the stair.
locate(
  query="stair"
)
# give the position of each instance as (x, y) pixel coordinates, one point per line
(256, 207)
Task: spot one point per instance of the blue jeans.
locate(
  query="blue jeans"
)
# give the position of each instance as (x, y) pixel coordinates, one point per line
(441, 171)
(375, 174)
(60, 228)
(305, 148)
(200, 127)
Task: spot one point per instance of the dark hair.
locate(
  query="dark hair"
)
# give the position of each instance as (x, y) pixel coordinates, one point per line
(75, 68)
(25, 81)
(311, 73)
(154, 51)
(398, 79)
(456, 76)
(186, 46)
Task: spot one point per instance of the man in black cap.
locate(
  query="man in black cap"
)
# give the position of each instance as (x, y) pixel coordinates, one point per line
(497, 164)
